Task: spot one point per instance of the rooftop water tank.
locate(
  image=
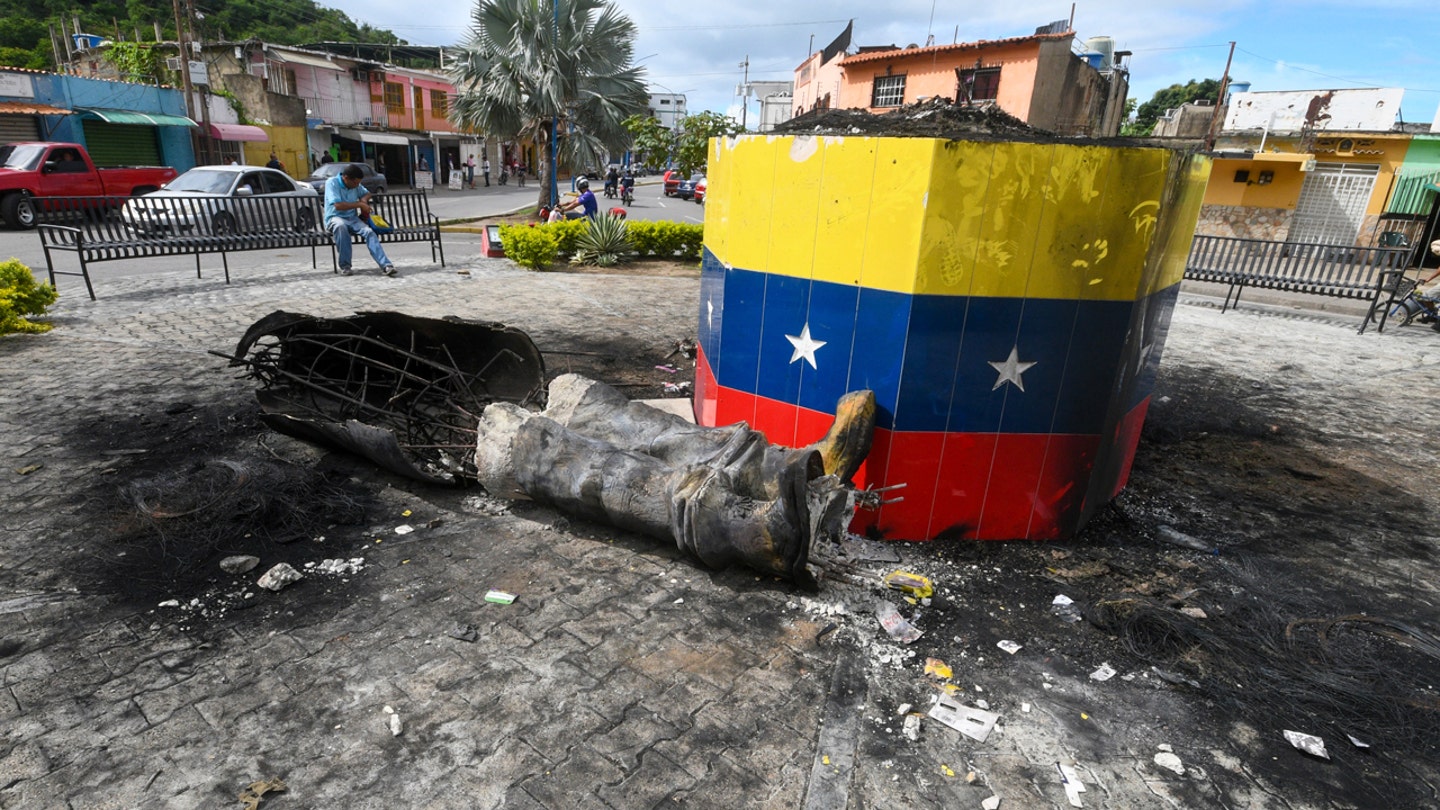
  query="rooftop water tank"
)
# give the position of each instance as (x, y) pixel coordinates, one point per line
(86, 41)
(1236, 87)
(1105, 46)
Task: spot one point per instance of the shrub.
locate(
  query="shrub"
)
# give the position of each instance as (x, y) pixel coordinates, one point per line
(532, 246)
(666, 240)
(567, 234)
(20, 296)
(604, 242)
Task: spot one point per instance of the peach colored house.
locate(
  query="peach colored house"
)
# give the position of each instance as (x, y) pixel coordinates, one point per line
(1038, 79)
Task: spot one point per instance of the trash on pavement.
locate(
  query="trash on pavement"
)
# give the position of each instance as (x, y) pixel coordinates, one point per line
(912, 727)
(826, 630)
(404, 529)
(913, 584)
(1309, 743)
(28, 468)
(1064, 607)
(1073, 786)
(936, 668)
(396, 727)
(895, 624)
(1179, 538)
(1357, 742)
(973, 723)
(992, 803)
(464, 632)
(1104, 672)
(250, 796)
(499, 597)
(1170, 762)
(1009, 646)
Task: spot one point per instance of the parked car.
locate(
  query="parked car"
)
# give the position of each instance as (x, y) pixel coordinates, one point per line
(213, 200)
(672, 182)
(32, 171)
(686, 189)
(700, 191)
(373, 181)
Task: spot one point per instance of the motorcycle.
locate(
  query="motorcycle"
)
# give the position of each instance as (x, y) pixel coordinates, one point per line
(609, 189)
(504, 176)
(627, 193)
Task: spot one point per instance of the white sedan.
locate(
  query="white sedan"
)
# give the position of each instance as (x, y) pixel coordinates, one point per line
(222, 200)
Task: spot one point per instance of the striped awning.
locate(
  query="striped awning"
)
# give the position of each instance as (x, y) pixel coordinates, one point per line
(132, 117)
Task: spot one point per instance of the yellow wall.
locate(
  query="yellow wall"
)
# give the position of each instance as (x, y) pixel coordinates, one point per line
(1282, 192)
(290, 146)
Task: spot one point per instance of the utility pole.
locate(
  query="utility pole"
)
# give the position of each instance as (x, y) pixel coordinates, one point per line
(1219, 100)
(205, 139)
(184, 42)
(745, 91)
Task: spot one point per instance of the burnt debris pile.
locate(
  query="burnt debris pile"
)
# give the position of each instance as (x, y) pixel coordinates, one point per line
(402, 391)
(931, 118)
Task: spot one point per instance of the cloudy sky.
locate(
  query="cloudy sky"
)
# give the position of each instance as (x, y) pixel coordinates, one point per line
(697, 48)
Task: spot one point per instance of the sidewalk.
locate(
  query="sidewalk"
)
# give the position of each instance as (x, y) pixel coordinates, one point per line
(624, 675)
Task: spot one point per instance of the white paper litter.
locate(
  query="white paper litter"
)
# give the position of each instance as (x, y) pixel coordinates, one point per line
(973, 723)
(1104, 672)
(1170, 762)
(1309, 743)
(1073, 786)
(1009, 646)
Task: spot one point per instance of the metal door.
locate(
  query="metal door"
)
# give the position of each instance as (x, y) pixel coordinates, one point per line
(1332, 203)
(19, 128)
(122, 144)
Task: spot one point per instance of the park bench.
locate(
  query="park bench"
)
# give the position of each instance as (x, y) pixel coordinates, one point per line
(408, 215)
(1336, 271)
(101, 229)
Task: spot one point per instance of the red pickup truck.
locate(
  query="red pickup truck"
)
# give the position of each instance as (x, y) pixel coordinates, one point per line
(30, 172)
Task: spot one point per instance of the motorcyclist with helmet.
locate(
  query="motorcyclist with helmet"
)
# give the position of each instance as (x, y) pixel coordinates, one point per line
(627, 187)
(586, 199)
(611, 177)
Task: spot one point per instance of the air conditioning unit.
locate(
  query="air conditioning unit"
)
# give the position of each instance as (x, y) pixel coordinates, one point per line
(172, 62)
(362, 76)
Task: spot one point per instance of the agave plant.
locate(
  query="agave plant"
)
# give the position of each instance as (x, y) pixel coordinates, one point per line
(605, 243)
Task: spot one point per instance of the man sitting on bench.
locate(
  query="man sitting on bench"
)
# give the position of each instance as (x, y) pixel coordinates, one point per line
(347, 209)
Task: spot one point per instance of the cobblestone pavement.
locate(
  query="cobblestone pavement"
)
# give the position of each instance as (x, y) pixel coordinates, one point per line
(622, 677)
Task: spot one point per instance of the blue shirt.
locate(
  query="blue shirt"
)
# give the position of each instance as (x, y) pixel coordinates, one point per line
(589, 203)
(336, 192)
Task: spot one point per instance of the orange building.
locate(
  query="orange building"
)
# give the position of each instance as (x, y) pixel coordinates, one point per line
(1039, 79)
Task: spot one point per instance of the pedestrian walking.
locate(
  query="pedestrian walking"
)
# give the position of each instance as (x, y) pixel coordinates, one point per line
(470, 170)
(485, 170)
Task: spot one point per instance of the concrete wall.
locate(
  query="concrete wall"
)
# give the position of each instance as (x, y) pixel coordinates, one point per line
(73, 92)
(1007, 303)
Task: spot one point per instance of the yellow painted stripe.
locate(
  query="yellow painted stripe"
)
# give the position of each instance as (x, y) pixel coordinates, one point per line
(928, 216)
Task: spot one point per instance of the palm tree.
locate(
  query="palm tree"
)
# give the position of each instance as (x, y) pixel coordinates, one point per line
(530, 65)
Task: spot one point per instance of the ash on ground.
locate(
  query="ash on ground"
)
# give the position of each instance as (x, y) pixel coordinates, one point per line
(932, 118)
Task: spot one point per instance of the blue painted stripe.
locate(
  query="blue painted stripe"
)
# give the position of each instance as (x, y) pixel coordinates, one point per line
(931, 360)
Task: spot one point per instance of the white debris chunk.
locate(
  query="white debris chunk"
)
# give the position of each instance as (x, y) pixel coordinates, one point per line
(1009, 646)
(239, 564)
(1170, 762)
(1104, 672)
(992, 803)
(278, 577)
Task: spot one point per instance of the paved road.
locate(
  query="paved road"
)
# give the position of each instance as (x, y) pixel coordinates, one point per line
(444, 203)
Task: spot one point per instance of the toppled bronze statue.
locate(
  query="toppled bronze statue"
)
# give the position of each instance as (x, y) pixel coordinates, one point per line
(724, 495)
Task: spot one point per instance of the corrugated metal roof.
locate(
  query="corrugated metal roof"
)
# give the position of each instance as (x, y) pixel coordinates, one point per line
(880, 56)
(30, 108)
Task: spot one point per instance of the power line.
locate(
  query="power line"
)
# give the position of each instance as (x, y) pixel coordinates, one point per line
(1292, 66)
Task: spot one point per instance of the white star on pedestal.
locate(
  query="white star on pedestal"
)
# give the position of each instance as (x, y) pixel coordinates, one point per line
(1010, 369)
(805, 346)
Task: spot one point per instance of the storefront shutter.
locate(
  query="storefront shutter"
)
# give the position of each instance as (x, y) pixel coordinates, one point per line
(121, 144)
(19, 128)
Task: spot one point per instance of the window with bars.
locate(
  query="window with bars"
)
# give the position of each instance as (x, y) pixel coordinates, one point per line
(439, 104)
(394, 97)
(889, 91)
(979, 84)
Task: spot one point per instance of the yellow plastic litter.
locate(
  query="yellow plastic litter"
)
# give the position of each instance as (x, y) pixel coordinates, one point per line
(938, 669)
(406, 513)
(250, 796)
(913, 584)
(945, 769)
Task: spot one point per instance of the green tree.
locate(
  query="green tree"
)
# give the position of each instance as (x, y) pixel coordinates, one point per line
(529, 64)
(649, 139)
(1170, 98)
(692, 145)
